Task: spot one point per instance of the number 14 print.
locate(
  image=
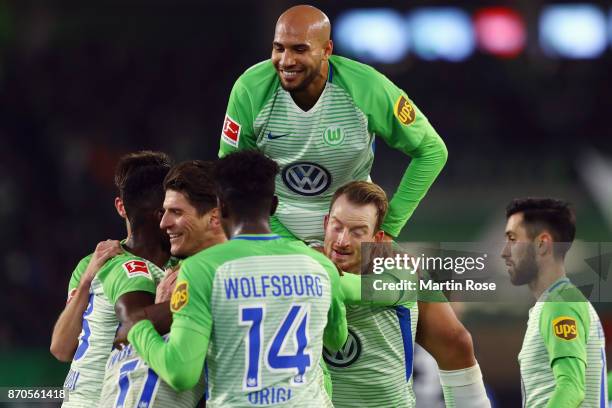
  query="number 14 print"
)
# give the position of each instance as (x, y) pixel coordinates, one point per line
(275, 360)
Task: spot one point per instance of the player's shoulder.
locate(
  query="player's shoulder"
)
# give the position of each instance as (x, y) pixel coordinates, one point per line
(258, 75)
(565, 300)
(354, 72)
(125, 265)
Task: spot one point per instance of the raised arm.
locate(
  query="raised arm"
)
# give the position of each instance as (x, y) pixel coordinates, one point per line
(65, 337)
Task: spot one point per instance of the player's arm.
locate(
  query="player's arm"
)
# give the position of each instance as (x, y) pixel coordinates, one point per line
(237, 132)
(404, 127)
(336, 330)
(159, 314)
(564, 326)
(65, 337)
(179, 362)
(448, 341)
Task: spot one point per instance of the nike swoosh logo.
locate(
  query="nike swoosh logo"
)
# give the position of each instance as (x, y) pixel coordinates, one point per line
(272, 137)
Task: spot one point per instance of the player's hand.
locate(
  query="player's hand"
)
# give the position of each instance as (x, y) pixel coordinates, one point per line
(166, 285)
(121, 339)
(104, 251)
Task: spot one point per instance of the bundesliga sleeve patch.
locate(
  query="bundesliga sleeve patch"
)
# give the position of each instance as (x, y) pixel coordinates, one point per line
(137, 268)
(180, 297)
(565, 328)
(403, 111)
(231, 131)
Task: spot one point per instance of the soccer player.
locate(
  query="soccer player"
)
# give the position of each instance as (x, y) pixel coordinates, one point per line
(259, 306)
(123, 286)
(562, 360)
(316, 115)
(375, 366)
(191, 220)
(65, 337)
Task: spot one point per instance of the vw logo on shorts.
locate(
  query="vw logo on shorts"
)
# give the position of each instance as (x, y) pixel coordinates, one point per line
(347, 355)
(306, 178)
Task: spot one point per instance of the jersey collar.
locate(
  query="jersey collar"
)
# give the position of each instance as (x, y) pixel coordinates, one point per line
(257, 237)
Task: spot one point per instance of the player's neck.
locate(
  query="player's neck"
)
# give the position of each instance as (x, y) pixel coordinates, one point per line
(247, 226)
(147, 246)
(308, 97)
(547, 275)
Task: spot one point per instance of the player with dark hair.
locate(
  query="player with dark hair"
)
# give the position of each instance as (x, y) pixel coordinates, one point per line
(261, 307)
(562, 360)
(123, 286)
(64, 339)
(191, 220)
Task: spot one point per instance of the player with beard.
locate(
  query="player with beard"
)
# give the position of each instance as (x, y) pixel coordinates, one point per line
(316, 115)
(562, 360)
(375, 367)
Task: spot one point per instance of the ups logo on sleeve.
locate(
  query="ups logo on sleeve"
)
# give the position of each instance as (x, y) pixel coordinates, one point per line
(180, 297)
(404, 111)
(565, 328)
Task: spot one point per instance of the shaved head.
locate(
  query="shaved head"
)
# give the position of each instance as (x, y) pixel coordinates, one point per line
(305, 20)
(300, 53)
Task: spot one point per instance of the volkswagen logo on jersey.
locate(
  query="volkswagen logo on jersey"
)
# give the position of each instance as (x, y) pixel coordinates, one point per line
(306, 178)
(347, 355)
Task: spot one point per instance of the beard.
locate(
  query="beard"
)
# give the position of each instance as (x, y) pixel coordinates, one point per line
(308, 79)
(526, 269)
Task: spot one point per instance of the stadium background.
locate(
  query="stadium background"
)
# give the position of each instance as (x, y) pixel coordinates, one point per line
(81, 84)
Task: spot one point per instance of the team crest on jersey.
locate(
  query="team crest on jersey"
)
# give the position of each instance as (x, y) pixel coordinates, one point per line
(347, 355)
(404, 111)
(137, 268)
(306, 178)
(565, 328)
(333, 136)
(180, 297)
(231, 131)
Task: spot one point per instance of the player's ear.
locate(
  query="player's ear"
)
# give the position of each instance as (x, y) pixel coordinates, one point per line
(325, 221)
(327, 50)
(119, 207)
(544, 244)
(379, 236)
(214, 221)
(274, 205)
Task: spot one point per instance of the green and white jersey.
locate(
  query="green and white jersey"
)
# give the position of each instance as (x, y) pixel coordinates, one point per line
(119, 275)
(560, 328)
(75, 278)
(329, 145)
(130, 382)
(266, 303)
(374, 368)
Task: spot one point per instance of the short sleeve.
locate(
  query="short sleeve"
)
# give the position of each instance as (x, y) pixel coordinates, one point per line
(191, 300)
(237, 132)
(131, 275)
(75, 278)
(564, 326)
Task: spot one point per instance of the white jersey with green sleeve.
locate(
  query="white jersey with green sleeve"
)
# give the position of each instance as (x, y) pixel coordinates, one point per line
(374, 368)
(130, 382)
(561, 325)
(267, 303)
(331, 144)
(119, 275)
